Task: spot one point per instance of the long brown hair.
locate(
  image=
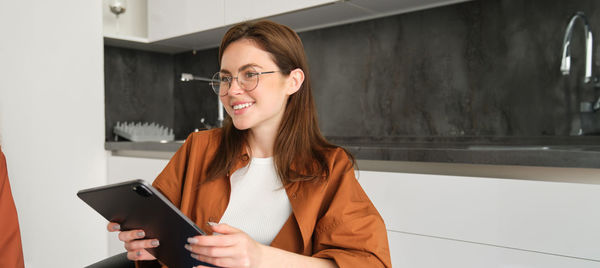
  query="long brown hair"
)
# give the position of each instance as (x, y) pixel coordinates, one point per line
(299, 149)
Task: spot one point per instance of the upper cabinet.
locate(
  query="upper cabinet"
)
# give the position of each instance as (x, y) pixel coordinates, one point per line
(130, 25)
(172, 18)
(180, 25)
(242, 10)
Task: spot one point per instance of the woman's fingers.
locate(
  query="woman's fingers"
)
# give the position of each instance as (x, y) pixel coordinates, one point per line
(140, 255)
(223, 228)
(210, 251)
(213, 241)
(221, 262)
(126, 236)
(232, 248)
(141, 244)
(113, 227)
(134, 244)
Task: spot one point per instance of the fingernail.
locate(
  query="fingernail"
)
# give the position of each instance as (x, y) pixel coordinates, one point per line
(192, 240)
(140, 234)
(138, 253)
(212, 223)
(116, 227)
(155, 243)
(188, 247)
(195, 256)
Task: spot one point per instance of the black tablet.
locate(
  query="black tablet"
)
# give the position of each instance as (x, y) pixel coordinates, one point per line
(137, 205)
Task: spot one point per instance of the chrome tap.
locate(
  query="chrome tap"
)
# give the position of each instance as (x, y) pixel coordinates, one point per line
(565, 66)
(186, 77)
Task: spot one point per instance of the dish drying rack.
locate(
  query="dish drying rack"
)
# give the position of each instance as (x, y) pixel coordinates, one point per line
(139, 132)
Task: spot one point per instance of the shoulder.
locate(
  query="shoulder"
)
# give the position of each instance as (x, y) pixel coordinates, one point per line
(205, 136)
(188, 163)
(196, 151)
(338, 161)
(203, 140)
(341, 172)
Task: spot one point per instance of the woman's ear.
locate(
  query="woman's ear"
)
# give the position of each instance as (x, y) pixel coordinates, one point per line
(295, 80)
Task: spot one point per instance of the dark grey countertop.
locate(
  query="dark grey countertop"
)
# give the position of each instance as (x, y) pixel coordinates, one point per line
(581, 152)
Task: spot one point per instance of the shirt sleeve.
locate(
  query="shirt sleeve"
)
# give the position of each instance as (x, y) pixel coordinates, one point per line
(11, 254)
(351, 232)
(170, 181)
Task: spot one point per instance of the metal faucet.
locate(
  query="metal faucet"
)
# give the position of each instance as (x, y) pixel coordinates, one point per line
(565, 66)
(190, 77)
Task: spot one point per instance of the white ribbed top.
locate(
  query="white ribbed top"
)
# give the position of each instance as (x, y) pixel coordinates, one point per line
(258, 204)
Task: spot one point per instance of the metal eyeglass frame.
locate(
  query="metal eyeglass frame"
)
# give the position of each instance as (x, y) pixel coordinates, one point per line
(216, 81)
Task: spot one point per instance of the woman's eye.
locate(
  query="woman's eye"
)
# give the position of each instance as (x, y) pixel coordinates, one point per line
(226, 79)
(251, 74)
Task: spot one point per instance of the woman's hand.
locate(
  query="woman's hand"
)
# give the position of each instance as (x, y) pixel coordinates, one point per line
(230, 248)
(134, 244)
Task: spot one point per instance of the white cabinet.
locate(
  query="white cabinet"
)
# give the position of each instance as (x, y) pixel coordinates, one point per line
(180, 25)
(122, 168)
(242, 10)
(435, 212)
(417, 251)
(386, 7)
(172, 18)
(130, 25)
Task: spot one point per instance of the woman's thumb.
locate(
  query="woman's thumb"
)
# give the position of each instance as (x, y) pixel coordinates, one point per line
(222, 228)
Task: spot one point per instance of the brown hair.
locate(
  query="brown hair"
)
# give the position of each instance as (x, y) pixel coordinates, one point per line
(299, 150)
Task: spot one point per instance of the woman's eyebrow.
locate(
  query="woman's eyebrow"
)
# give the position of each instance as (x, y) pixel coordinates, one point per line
(249, 65)
(242, 67)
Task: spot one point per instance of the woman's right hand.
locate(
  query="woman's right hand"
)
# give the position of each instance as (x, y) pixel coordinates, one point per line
(134, 244)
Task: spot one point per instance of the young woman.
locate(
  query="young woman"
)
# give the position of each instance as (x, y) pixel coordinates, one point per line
(282, 195)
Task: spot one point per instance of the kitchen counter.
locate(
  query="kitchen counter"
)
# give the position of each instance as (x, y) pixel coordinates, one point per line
(580, 152)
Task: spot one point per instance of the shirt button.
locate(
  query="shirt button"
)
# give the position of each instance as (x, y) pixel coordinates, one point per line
(245, 157)
(294, 196)
(211, 219)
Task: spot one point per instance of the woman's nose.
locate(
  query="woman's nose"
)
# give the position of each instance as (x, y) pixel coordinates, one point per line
(234, 88)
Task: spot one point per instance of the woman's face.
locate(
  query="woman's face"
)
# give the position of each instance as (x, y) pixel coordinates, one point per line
(263, 107)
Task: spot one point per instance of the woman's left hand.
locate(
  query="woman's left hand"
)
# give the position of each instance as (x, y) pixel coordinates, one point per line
(230, 248)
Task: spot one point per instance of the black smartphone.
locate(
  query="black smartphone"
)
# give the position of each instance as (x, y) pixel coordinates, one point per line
(137, 205)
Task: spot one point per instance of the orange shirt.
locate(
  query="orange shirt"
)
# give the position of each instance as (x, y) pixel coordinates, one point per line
(11, 250)
(331, 219)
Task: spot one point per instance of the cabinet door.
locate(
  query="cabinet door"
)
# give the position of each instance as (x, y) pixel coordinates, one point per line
(554, 218)
(171, 18)
(241, 10)
(418, 251)
(122, 168)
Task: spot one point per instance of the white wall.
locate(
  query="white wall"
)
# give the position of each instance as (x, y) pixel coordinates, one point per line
(52, 126)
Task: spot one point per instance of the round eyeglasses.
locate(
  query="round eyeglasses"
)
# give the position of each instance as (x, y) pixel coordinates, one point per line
(247, 79)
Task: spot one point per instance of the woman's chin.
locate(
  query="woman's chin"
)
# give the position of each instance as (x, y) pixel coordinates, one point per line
(241, 125)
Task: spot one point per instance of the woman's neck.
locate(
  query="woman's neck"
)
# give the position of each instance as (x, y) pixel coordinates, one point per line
(261, 141)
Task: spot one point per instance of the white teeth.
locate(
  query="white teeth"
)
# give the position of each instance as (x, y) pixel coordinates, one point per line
(242, 106)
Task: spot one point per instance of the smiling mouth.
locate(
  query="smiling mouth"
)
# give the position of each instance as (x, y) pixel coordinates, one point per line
(242, 106)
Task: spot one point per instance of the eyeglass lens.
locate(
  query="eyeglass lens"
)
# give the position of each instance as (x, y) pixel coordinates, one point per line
(247, 79)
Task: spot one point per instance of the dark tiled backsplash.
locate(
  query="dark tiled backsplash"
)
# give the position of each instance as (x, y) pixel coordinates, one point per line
(480, 68)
